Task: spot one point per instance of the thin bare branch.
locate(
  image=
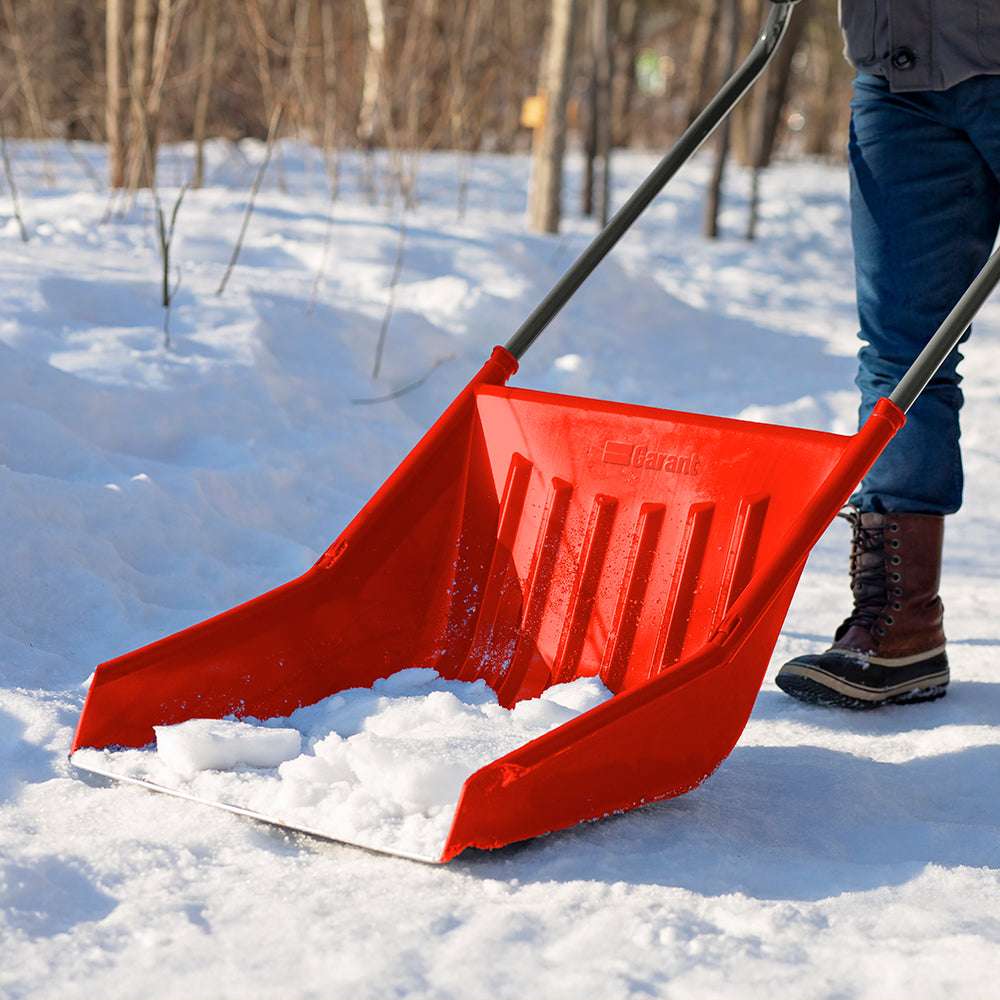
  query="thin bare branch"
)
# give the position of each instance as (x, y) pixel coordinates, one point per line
(272, 132)
(409, 387)
(165, 238)
(397, 269)
(8, 171)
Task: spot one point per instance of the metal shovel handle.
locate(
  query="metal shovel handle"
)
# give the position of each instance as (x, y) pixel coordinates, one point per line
(685, 147)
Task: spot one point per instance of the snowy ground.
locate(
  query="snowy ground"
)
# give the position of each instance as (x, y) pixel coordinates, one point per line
(381, 767)
(833, 855)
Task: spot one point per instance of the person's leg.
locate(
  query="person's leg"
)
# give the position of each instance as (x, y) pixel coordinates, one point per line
(925, 207)
(980, 103)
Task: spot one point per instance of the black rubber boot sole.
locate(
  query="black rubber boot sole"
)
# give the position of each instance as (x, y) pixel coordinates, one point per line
(842, 679)
(810, 691)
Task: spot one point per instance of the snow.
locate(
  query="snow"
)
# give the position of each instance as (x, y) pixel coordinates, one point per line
(383, 767)
(143, 489)
(222, 744)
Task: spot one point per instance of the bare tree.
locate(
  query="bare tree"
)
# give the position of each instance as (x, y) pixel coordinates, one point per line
(165, 239)
(373, 99)
(830, 74)
(331, 131)
(26, 81)
(517, 73)
(207, 28)
(713, 198)
(397, 270)
(597, 135)
(8, 171)
(768, 107)
(371, 88)
(148, 86)
(262, 56)
(298, 66)
(272, 135)
(545, 196)
(704, 49)
(460, 57)
(404, 139)
(626, 48)
(113, 97)
(139, 167)
(403, 75)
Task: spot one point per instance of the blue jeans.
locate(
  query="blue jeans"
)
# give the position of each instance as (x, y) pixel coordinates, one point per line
(925, 209)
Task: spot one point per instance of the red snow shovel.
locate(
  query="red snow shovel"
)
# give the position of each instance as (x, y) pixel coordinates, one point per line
(530, 539)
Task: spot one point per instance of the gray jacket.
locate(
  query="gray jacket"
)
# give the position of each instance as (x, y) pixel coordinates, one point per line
(922, 44)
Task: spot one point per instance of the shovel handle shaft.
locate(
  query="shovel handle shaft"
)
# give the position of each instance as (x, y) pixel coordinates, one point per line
(686, 146)
(948, 334)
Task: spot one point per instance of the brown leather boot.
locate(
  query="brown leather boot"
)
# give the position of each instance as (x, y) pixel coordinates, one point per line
(891, 648)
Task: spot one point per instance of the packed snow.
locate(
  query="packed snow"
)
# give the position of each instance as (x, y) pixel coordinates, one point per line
(143, 488)
(221, 744)
(382, 767)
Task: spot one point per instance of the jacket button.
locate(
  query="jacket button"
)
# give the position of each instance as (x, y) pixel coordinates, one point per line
(904, 57)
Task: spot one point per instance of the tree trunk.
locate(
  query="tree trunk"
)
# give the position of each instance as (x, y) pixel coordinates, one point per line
(259, 27)
(769, 106)
(24, 76)
(507, 109)
(113, 93)
(207, 29)
(371, 97)
(138, 166)
(328, 37)
(597, 135)
(418, 61)
(822, 108)
(713, 200)
(298, 64)
(462, 103)
(623, 81)
(601, 40)
(545, 196)
(589, 129)
(162, 50)
(704, 48)
(742, 136)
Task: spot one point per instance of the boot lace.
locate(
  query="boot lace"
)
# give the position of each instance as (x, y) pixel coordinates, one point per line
(868, 575)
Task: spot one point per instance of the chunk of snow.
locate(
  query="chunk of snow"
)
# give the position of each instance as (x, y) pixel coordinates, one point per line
(568, 363)
(382, 767)
(221, 744)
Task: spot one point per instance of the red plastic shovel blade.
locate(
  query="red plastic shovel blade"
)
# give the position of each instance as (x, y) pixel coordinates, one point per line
(623, 533)
(529, 539)
(662, 736)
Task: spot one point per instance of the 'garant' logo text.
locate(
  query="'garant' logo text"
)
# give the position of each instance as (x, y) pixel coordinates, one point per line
(640, 456)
